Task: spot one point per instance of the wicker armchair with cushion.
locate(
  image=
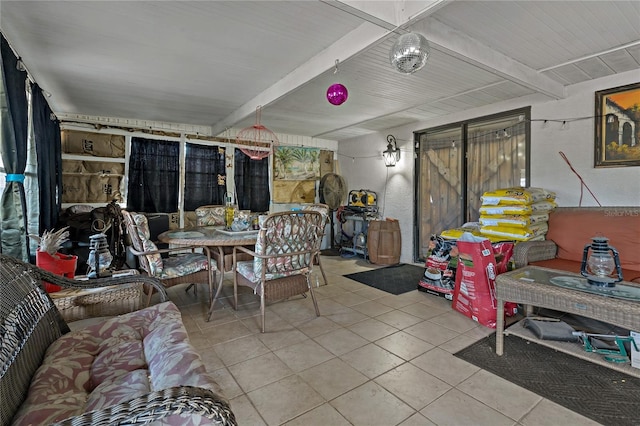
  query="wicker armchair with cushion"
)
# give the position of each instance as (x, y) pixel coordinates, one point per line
(184, 268)
(213, 215)
(283, 258)
(135, 368)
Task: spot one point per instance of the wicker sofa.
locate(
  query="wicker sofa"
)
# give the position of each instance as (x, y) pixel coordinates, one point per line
(571, 228)
(131, 369)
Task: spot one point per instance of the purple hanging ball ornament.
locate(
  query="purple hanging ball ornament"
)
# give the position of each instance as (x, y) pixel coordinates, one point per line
(337, 94)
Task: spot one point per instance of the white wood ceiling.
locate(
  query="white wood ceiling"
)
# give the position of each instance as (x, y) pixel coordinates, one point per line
(212, 63)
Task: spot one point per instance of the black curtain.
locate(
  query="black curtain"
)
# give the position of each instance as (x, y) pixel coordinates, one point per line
(205, 176)
(154, 173)
(46, 130)
(252, 182)
(13, 107)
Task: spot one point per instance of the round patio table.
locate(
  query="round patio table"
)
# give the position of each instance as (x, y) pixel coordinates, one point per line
(214, 237)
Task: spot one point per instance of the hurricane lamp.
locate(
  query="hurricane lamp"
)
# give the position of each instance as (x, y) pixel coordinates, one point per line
(100, 258)
(599, 261)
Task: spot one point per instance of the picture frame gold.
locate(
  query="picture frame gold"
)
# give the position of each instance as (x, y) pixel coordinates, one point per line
(617, 126)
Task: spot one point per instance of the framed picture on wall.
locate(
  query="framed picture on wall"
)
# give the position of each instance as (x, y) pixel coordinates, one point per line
(617, 126)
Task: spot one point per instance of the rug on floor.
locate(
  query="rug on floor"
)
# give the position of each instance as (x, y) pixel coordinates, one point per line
(395, 279)
(607, 396)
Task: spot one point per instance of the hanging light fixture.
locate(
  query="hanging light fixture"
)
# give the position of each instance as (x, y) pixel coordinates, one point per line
(337, 94)
(257, 141)
(391, 155)
(409, 53)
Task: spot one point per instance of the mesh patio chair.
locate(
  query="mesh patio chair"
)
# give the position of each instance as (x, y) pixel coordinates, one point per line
(183, 268)
(282, 260)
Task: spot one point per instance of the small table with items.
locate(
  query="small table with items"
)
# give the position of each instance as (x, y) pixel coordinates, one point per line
(567, 292)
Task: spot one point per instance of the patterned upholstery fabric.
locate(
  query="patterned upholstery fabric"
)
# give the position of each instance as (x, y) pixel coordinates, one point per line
(210, 216)
(178, 266)
(142, 236)
(105, 364)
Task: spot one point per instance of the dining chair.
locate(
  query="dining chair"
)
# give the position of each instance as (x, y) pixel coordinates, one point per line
(183, 268)
(282, 260)
(213, 215)
(324, 210)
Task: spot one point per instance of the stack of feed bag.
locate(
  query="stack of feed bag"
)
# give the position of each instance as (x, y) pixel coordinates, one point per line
(518, 214)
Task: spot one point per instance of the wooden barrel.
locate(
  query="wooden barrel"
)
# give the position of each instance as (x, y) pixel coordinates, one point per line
(384, 242)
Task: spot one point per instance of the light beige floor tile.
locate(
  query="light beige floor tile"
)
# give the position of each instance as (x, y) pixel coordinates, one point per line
(330, 306)
(398, 319)
(417, 420)
(329, 292)
(347, 317)
(436, 301)
(445, 366)
(423, 311)
(324, 415)
(404, 345)
(260, 371)
(245, 412)
(371, 360)
(431, 333)
(500, 394)
(371, 404)
(348, 298)
(210, 359)
(372, 308)
(317, 326)
(284, 400)
(413, 386)
(240, 350)
(455, 408)
(333, 378)
(230, 331)
(278, 339)
(341, 341)
(294, 310)
(227, 383)
(372, 329)
(547, 413)
(303, 355)
(345, 283)
(371, 293)
(455, 321)
(458, 343)
(394, 301)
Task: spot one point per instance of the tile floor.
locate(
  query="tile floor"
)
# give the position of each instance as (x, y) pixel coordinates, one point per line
(371, 358)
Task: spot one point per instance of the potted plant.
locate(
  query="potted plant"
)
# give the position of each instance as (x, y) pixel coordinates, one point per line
(49, 258)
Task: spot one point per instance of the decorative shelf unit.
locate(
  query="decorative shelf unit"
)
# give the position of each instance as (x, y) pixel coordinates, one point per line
(93, 168)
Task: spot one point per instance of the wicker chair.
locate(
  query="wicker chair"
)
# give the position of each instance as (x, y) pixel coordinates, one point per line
(31, 327)
(286, 245)
(184, 268)
(213, 215)
(323, 209)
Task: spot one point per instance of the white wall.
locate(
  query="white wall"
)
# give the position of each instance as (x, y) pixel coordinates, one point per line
(360, 161)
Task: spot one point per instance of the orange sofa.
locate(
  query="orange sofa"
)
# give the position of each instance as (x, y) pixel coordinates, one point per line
(571, 228)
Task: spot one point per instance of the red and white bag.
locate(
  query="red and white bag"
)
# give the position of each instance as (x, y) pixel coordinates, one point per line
(474, 294)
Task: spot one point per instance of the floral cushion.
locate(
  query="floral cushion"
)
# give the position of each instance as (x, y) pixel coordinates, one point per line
(185, 264)
(247, 270)
(142, 227)
(112, 362)
(210, 216)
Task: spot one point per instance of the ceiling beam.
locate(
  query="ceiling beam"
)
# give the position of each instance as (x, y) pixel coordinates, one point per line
(375, 27)
(443, 38)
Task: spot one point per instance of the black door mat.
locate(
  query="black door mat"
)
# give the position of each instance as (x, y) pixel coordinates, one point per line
(396, 279)
(607, 396)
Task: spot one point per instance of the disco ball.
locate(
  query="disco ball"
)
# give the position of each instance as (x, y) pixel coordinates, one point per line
(337, 94)
(409, 53)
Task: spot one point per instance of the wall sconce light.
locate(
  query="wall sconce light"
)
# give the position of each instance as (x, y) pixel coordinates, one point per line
(391, 155)
(599, 260)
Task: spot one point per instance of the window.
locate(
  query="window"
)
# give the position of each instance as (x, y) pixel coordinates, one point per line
(154, 173)
(205, 176)
(252, 182)
(457, 163)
